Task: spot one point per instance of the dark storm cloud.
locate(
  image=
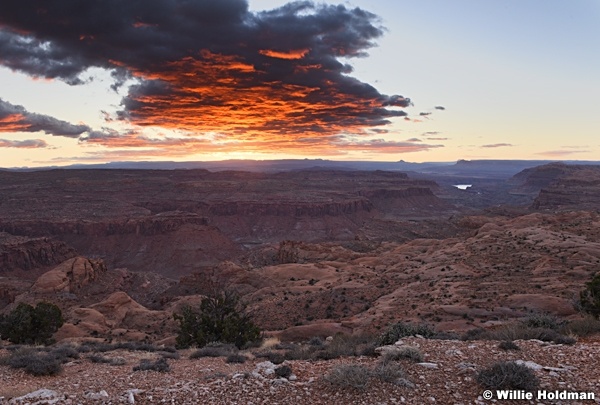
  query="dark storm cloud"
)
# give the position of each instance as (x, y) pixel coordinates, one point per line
(15, 118)
(26, 144)
(439, 107)
(207, 65)
(39, 58)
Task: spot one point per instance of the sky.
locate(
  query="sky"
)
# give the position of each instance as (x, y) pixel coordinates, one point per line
(386, 80)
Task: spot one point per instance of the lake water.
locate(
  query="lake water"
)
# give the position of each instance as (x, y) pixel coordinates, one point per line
(462, 186)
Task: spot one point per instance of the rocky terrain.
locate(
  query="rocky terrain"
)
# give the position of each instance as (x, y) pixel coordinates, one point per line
(446, 375)
(177, 222)
(379, 262)
(312, 253)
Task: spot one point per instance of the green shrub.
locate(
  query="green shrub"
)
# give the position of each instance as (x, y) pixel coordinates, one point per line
(136, 346)
(545, 321)
(316, 341)
(31, 325)
(589, 298)
(214, 350)
(170, 355)
(236, 358)
(358, 376)
(97, 347)
(445, 336)
(221, 317)
(508, 345)
(518, 331)
(345, 345)
(275, 358)
(44, 364)
(96, 358)
(300, 353)
(401, 329)
(65, 352)
(583, 327)
(508, 375)
(113, 361)
(34, 361)
(283, 371)
(157, 365)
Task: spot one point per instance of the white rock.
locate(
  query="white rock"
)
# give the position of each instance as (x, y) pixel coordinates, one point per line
(557, 369)
(529, 364)
(130, 394)
(41, 396)
(466, 366)
(428, 365)
(265, 367)
(97, 395)
(279, 381)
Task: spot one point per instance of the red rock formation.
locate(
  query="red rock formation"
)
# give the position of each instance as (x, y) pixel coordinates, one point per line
(561, 186)
(25, 253)
(70, 276)
(291, 208)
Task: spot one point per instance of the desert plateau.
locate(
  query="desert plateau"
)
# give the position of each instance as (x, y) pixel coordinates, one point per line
(322, 258)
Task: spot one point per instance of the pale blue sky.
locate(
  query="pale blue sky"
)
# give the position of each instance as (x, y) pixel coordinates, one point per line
(520, 79)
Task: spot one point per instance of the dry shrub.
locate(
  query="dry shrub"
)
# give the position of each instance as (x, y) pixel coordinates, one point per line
(508, 375)
(349, 376)
(404, 352)
(156, 365)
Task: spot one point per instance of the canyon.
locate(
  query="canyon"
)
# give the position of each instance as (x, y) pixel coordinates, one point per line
(311, 252)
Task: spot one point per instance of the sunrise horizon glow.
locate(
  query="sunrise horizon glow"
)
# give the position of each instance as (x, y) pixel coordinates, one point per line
(195, 80)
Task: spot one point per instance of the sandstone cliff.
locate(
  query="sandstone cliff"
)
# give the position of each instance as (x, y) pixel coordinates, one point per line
(559, 186)
(25, 253)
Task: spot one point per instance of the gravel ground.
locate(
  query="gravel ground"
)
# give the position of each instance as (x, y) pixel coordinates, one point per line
(448, 377)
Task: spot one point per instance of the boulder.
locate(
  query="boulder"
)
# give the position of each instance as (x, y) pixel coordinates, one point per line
(69, 276)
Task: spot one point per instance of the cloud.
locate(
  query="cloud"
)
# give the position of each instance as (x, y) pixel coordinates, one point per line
(383, 146)
(560, 153)
(188, 144)
(210, 66)
(439, 107)
(496, 145)
(26, 144)
(15, 118)
(431, 136)
(414, 140)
